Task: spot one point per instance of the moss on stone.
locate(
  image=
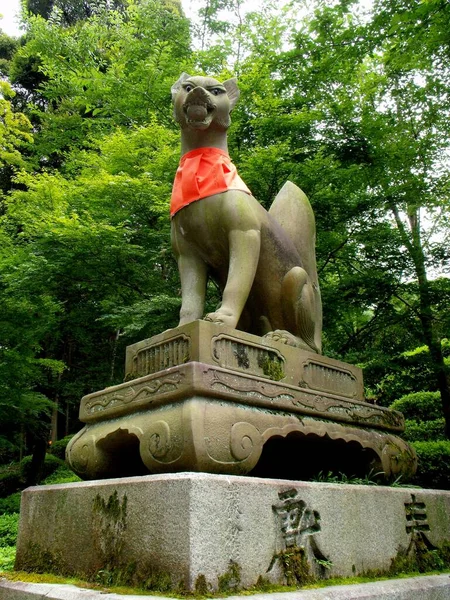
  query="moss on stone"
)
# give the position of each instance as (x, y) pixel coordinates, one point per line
(231, 579)
(201, 586)
(272, 368)
(158, 581)
(38, 560)
(295, 566)
(109, 524)
(421, 559)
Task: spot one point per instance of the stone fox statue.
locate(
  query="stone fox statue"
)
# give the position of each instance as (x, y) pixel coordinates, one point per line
(264, 262)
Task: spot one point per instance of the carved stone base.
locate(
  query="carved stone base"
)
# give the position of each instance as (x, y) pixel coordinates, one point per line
(207, 398)
(197, 531)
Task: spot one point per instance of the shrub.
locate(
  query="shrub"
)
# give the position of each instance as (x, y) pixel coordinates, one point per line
(50, 465)
(8, 530)
(10, 504)
(7, 558)
(419, 406)
(434, 464)
(62, 475)
(7, 450)
(59, 448)
(424, 431)
(10, 482)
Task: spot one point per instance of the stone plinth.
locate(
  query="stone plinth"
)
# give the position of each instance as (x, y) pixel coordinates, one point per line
(204, 397)
(193, 529)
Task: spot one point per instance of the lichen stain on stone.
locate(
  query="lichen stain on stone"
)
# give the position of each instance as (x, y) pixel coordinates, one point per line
(241, 355)
(109, 524)
(40, 560)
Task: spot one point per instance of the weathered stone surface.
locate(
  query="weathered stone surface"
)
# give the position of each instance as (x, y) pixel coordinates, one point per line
(431, 587)
(189, 525)
(237, 351)
(224, 401)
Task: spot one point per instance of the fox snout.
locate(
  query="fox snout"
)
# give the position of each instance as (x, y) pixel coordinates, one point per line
(199, 95)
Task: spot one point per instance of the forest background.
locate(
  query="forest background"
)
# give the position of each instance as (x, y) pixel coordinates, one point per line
(350, 102)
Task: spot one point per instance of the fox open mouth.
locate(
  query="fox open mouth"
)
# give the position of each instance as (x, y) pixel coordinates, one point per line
(199, 114)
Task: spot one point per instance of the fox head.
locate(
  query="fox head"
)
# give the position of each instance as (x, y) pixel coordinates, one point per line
(203, 102)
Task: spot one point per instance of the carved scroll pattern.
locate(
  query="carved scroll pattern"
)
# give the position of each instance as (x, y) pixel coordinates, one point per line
(284, 397)
(79, 454)
(156, 442)
(245, 441)
(128, 394)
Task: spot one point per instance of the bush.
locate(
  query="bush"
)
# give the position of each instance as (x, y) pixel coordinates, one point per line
(59, 448)
(50, 465)
(424, 431)
(62, 475)
(11, 504)
(434, 464)
(7, 450)
(9, 525)
(10, 482)
(7, 558)
(419, 406)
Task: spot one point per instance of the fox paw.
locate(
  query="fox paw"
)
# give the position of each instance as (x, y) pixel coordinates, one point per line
(285, 337)
(222, 318)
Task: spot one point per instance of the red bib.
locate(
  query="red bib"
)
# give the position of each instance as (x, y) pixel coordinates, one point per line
(203, 172)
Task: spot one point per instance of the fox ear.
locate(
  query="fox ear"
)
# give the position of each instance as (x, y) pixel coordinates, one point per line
(176, 86)
(232, 90)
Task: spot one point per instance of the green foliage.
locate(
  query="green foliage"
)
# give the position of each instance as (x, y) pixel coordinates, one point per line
(426, 431)
(58, 448)
(419, 406)
(51, 464)
(9, 524)
(15, 136)
(113, 68)
(67, 13)
(7, 558)
(8, 46)
(371, 478)
(61, 475)
(434, 464)
(10, 504)
(10, 482)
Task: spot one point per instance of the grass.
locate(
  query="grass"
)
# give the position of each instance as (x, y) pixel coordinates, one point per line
(263, 587)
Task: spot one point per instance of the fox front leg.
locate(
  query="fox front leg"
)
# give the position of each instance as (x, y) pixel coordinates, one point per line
(244, 248)
(193, 276)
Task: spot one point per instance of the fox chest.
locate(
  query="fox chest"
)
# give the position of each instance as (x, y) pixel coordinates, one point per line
(201, 228)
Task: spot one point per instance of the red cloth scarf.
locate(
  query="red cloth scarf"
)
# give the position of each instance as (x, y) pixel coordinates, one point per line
(203, 172)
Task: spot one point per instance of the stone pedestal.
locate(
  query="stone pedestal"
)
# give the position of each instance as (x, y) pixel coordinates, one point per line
(204, 397)
(199, 531)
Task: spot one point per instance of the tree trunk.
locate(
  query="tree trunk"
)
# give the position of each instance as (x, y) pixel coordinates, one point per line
(415, 249)
(35, 473)
(54, 424)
